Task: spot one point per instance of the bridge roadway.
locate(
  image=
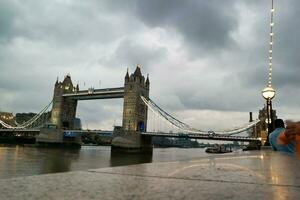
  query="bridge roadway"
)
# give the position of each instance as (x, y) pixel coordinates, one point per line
(179, 135)
(203, 136)
(108, 93)
(20, 130)
(27, 133)
(158, 134)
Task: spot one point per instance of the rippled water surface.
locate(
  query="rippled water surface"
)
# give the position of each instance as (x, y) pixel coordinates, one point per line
(18, 161)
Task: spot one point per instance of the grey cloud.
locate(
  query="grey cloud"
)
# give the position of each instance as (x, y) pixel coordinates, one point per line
(285, 52)
(204, 25)
(231, 98)
(131, 53)
(94, 39)
(249, 64)
(97, 111)
(56, 22)
(8, 14)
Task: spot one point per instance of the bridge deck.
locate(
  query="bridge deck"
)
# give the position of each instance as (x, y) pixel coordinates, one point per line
(20, 130)
(159, 134)
(203, 136)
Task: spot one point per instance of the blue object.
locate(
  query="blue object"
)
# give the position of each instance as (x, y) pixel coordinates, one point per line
(273, 137)
(141, 126)
(71, 134)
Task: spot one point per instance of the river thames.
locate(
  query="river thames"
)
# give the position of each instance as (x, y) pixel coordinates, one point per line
(16, 161)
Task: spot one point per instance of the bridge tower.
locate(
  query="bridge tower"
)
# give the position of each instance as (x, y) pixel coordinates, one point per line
(134, 109)
(128, 136)
(262, 125)
(64, 109)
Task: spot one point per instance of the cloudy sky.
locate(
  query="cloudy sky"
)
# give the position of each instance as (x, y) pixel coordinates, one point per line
(207, 60)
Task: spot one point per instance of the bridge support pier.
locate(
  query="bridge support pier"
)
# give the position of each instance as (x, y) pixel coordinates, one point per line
(131, 142)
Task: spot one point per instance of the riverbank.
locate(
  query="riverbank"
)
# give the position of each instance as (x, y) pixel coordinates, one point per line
(241, 175)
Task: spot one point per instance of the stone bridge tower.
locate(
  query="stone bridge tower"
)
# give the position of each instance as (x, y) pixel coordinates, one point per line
(64, 109)
(128, 137)
(262, 125)
(134, 109)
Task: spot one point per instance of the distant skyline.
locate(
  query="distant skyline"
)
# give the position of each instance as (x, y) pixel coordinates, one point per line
(207, 60)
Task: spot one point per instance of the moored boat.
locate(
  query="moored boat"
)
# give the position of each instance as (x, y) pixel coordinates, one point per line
(218, 149)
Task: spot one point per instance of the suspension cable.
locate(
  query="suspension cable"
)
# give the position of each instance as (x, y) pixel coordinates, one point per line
(185, 127)
(29, 122)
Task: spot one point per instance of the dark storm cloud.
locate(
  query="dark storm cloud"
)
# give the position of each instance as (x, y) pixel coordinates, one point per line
(131, 53)
(55, 22)
(285, 52)
(249, 64)
(200, 54)
(287, 47)
(204, 25)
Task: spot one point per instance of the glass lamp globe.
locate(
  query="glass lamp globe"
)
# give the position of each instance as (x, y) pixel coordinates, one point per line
(266, 121)
(268, 93)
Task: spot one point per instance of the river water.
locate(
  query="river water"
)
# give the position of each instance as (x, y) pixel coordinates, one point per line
(16, 161)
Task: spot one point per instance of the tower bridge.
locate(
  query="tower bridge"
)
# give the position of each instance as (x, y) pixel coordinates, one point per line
(134, 134)
(66, 96)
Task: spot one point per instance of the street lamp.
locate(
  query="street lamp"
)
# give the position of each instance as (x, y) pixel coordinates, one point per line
(269, 93)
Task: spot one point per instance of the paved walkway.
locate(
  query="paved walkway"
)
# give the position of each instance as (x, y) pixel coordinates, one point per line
(244, 175)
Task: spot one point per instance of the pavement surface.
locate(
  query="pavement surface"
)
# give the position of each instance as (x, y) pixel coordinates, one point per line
(240, 175)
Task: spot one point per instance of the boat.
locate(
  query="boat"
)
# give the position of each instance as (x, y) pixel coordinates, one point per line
(218, 149)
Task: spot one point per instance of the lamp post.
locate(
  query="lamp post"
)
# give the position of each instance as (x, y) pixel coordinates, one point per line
(269, 93)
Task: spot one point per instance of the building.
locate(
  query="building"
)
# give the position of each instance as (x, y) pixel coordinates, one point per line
(7, 118)
(25, 117)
